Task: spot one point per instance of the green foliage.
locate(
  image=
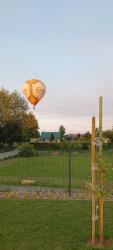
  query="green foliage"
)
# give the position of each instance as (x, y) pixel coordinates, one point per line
(64, 145)
(106, 146)
(46, 146)
(85, 145)
(62, 131)
(87, 136)
(74, 146)
(28, 151)
(108, 134)
(16, 124)
(52, 137)
(31, 125)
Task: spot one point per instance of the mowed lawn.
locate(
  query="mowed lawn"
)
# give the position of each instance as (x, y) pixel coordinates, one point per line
(48, 225)
(45, 165)
(50, 169)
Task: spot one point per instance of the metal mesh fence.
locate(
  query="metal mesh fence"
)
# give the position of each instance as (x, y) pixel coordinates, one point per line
(63, 172)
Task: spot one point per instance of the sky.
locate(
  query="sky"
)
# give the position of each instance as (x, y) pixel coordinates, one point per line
(68, 44)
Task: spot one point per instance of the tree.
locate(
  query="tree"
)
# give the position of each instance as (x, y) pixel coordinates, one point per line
(62, 131)
(11, 132)
(87, 136)
(12, 107)
(18, 107)
(78, 136)
(108, 134)
(16, 124)
(31, 125)
(52, 137)
(5, 101)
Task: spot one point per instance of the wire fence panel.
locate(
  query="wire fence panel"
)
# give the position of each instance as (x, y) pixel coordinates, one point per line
(63, 172)
(44, 172)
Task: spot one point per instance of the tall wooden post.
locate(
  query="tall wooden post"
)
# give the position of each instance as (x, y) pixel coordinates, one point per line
(93, 173)
(69, 174)
(101, 202)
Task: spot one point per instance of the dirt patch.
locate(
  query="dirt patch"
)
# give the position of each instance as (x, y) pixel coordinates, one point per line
(107, 243)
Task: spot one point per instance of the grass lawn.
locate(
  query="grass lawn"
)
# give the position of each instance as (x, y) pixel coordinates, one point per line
(48, 225)
(46, 166)
(51, 170)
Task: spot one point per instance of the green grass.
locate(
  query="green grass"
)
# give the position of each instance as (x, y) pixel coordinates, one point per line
(46, 170)
(51, 170)
(48, 225)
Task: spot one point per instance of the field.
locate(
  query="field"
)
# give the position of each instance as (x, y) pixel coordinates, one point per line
(48, 225)
(51, 170)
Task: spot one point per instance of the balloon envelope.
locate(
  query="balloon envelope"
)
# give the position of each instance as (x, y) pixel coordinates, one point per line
(34, 90)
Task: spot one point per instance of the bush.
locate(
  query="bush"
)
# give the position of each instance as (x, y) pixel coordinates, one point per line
(106, 146)
(46, 146)
(85, 145)
(62, 146)
(27, 151)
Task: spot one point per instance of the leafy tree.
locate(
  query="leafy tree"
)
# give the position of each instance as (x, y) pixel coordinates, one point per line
(108, 134)
(85, 145)
(62, 131)
(87, 136)
(70, 145)
(5, 101)
(31, 125)
(78, 136)
(12, 107)
(52, 137)
(16, 124)
(11, 132)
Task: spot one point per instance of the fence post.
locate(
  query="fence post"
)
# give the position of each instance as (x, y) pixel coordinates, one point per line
(101, 202)
(93, 173)
(69, 175)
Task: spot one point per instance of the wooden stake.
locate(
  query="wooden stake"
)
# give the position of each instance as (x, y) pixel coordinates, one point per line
(93, 172)
(101, 203)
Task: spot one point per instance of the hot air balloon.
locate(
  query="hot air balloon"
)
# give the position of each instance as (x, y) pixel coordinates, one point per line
(34, 90)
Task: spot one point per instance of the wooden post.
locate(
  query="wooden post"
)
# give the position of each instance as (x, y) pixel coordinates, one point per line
(101, 203)
(93, 173)
(69, 188)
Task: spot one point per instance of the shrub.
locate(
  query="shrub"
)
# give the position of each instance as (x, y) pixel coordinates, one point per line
(46, 146)
(85, 145)
(27, 151)
(106, 146)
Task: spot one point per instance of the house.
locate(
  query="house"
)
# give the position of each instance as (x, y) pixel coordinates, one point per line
(50, 137)
(105, 141)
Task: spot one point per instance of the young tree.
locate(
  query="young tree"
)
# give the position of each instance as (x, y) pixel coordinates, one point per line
(62, 131)
(78, 136)
(52, 137)
(87, 136)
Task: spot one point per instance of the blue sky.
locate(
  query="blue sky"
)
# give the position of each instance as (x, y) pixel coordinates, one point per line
(68, 44)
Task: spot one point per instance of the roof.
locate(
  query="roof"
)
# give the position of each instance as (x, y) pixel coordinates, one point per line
(47, 135)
